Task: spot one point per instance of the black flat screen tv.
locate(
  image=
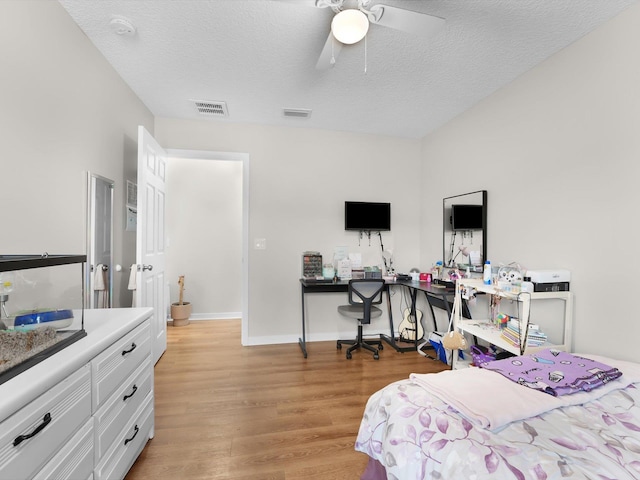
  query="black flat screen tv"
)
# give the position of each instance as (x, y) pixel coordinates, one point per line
(466, 217)
(368, 216)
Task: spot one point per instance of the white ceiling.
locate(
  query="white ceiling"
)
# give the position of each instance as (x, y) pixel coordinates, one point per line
(259, 57)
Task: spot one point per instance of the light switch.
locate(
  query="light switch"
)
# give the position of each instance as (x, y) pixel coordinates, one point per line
(260, 243)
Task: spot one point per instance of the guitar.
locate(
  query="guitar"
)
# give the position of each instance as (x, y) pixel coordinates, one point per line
(408, 326)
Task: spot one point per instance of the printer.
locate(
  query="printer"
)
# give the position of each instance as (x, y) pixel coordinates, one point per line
(550, 280)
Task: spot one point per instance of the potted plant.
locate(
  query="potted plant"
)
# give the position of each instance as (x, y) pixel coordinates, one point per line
(181, 310)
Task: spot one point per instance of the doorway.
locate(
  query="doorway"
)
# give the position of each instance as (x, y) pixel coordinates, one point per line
(99, 272)
(199, 216)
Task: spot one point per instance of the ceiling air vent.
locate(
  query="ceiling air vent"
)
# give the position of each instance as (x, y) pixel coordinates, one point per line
(297, 112)
(211, 108)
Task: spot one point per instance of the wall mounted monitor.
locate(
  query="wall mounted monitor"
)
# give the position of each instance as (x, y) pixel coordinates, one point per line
(368, 216)
(466, 217)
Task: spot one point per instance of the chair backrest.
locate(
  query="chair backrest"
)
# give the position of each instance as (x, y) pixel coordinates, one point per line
(366, 292)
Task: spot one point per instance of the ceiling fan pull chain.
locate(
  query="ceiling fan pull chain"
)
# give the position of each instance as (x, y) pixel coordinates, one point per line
(365, 54)
(333, 58)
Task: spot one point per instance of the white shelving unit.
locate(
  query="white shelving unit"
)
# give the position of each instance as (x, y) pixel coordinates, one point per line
(486, 330)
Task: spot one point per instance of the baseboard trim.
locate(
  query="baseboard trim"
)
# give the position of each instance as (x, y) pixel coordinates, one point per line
(213, 316)
(216, 316)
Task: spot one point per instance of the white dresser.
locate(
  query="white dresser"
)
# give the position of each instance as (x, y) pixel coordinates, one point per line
(87, 411)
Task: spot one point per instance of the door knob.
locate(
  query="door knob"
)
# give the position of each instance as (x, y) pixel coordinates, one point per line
(147, 267)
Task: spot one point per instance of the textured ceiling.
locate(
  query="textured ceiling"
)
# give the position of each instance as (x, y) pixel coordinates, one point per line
(259, 57)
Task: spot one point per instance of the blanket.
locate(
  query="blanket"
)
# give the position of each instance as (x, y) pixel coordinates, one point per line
(555, 372)
(491, 401)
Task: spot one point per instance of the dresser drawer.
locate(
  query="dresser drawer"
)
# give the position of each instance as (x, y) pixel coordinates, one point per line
(115, 364)
(74, 460)
(34, 434)
(128, 444)
(118, 410)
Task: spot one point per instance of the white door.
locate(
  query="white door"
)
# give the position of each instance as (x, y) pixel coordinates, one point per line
(150, 237)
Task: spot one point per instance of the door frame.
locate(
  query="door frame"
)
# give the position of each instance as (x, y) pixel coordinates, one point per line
(237, 157)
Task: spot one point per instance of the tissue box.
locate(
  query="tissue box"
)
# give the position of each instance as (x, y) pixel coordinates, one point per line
(372, 272)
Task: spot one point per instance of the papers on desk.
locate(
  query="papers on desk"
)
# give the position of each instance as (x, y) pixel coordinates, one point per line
(356, 260)
(345, 262)
(344, 269)
(340, 253)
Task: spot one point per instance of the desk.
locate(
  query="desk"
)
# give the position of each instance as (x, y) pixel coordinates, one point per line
(436, 297)
(315, 286)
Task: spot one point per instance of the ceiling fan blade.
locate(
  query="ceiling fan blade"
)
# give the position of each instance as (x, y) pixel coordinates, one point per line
(329, 53)
(416, 23)
(315, 3)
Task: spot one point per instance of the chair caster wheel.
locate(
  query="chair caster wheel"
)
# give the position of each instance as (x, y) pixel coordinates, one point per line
(348, 356)
(339, 346)
(376, 356)
(380, 347)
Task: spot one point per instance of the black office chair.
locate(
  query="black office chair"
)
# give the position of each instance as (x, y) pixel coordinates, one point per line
(363, 294)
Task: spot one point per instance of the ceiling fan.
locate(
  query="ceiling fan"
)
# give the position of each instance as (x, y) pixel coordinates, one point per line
(350, 25)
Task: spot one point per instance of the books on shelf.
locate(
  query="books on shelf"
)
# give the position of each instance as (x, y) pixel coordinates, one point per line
(511, 334)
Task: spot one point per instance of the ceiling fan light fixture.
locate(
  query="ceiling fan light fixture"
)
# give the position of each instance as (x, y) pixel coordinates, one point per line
(349, 26)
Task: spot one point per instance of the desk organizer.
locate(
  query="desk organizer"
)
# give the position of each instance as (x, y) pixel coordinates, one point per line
(311, 265)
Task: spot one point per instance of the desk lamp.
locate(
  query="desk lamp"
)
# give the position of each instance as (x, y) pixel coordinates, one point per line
(461, 249)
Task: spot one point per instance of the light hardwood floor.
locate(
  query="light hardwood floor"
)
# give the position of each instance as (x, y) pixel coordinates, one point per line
(229, 412)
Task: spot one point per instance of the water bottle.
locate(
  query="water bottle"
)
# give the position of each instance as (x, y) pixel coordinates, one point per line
(486, 275)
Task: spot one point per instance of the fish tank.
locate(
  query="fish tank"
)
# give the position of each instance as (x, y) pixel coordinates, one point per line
(41, 308)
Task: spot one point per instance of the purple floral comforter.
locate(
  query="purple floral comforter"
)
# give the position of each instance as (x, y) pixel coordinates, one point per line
(414, 435)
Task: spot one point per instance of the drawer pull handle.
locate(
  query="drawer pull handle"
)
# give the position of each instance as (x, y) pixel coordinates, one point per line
(133, 347)
(45, 421)
(134, 435)
(135, 389)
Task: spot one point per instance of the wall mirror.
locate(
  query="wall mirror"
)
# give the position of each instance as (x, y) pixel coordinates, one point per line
(464, 227)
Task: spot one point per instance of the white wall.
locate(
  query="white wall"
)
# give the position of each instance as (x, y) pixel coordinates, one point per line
(63, 111)
(559, 152)
(204, 235)
(299, 180)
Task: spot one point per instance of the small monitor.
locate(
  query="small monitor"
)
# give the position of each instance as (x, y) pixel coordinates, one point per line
(466, 217)
(368, 216)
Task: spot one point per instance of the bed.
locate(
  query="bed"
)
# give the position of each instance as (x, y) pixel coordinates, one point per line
(476, 424)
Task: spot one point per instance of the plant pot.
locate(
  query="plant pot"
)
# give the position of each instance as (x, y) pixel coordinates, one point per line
(180, 314)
